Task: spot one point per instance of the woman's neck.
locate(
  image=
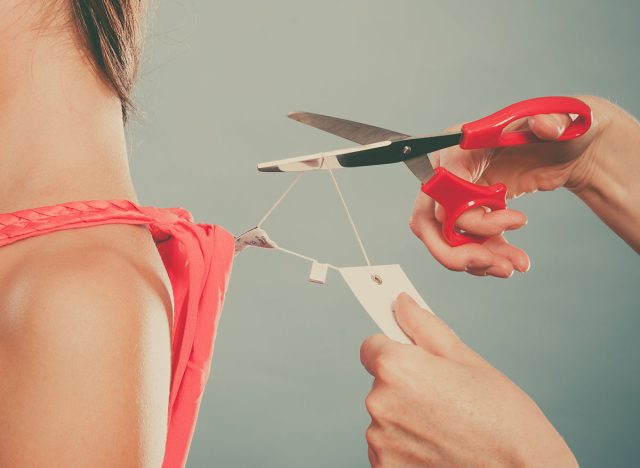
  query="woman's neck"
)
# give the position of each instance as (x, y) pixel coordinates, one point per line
(61, 130)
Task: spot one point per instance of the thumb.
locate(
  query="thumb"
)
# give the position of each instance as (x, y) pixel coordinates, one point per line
(549, 126)
(424, 328)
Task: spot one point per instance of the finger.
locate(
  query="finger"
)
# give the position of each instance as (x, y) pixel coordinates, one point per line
(500, 268)
(371, 350)
(426, 227)
(517, 257)
(485, 223)
(480, 221)
(431, 333)
(466, 164)
(457, 161)
(425, 329)
(506, 259)
(549, 126)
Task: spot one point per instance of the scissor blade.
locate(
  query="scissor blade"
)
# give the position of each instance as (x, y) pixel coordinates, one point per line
(383, 152)
(364, 134)
(421, 167)
(331, 159)
(348, 129)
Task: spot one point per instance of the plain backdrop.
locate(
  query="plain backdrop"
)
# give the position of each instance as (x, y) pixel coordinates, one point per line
(287, 387)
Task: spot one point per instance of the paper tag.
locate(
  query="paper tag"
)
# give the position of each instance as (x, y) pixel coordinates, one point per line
(318, 273)
(376, 288)
(256, 237)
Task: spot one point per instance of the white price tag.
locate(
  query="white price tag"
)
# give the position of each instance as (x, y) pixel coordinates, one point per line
(376, 288)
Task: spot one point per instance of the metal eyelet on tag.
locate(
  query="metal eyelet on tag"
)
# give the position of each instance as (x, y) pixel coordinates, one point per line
(378, 298)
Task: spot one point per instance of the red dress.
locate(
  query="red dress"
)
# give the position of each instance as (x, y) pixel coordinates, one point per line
(198, 260)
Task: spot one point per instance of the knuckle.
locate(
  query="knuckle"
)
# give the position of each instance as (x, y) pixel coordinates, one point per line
(387, 364)
(373, 404)
(414, 226)
(374, 437)
(366, 346)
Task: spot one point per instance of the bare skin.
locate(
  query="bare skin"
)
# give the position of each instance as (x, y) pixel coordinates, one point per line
(601, 167)
(438, 403)
(84, 314)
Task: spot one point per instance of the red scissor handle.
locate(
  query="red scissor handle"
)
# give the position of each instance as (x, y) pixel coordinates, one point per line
(488, 132)
(456, 196)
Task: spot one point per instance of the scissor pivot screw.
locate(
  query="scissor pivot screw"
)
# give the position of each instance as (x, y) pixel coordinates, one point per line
(376, 279)
(406, 150)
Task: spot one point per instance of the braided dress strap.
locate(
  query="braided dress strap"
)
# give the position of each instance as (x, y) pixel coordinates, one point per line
(28, 223)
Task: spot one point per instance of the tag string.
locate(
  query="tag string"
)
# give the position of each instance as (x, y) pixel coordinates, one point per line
(279, 200)
(344, 206)
(296, 254)
(353, 225)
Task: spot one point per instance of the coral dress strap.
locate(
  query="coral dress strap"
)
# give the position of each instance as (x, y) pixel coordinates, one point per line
(198, 259)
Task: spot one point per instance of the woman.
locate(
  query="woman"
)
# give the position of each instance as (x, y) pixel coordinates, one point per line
(106, 333)
(92, 353)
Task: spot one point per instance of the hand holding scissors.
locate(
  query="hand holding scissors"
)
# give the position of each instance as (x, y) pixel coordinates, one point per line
(459, 244)
(523, 169)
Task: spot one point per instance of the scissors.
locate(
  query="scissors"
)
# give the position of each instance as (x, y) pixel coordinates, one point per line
(456, 195)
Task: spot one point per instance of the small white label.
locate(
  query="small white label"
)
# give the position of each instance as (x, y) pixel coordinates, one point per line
(256, 237)
(318, 273)
(376, 288)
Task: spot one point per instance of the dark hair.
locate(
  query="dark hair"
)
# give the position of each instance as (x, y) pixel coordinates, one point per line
(112, 30)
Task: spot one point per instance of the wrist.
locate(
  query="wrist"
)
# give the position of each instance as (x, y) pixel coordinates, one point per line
(607, 175)
(593, 147)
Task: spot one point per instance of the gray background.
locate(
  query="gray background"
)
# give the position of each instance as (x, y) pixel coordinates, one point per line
(287, 387)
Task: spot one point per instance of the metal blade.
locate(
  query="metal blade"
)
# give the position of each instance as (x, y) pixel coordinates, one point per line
(364, 134)
(420, 148)
(383, 152)
(327, 160)
(421, 167)
(348, 129)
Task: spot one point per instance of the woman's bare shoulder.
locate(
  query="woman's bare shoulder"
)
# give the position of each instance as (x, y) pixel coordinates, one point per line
(111, 265)
(84, 348)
